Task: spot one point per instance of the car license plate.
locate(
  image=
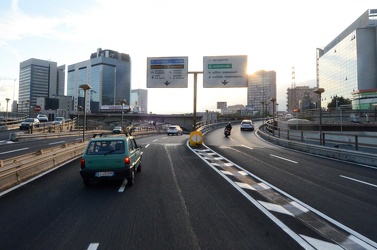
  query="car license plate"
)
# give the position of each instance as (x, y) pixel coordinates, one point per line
(104, 174)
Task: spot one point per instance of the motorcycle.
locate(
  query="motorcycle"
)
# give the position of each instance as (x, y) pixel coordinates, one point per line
(227, 132)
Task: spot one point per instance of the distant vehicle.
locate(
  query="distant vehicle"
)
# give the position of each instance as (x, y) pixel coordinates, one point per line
(115, 109)
(118, 130)
(247, 125)
(174, 130)
(289, 116)
(59, 120)
(42, 118)
(111, 158)
(29, 123)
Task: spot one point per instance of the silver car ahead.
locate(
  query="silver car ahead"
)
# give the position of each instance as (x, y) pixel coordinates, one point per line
(174, 130)
(247, 125)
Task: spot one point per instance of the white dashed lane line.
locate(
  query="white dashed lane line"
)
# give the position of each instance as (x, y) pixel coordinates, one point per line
(282, 158)
(11, 151)
(363, 182)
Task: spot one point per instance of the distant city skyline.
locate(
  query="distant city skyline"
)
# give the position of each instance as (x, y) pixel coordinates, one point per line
(274, 35)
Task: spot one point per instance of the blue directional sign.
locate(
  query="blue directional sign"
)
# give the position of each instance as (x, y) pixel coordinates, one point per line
(167, 72)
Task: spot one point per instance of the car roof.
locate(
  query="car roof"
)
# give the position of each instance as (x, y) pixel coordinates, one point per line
(109, 136)
(246, 121)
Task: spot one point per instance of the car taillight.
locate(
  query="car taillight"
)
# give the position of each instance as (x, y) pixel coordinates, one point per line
(127, 160)
(82, 163)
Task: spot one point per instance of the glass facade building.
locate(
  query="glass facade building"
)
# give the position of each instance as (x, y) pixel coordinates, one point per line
(261, 88)
(347, 67)
(39, 78)
(109, 75)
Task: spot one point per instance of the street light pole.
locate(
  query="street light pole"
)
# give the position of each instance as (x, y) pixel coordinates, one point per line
(319, 91)
(273, 100)
(78, 115)
(6, 121)
(85, 87)
(28, 103)
(123, 101)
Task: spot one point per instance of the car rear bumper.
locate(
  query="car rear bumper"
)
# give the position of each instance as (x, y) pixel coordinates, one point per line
(99, 174)
(247, 128)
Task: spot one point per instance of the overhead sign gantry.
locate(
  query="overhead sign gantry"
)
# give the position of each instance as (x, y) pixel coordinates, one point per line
(219, 72)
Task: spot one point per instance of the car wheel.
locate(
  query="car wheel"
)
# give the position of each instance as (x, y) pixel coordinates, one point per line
(131, 179)
(139, 168)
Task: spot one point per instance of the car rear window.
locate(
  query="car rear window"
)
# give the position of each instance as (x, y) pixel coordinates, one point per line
(172, 127)
(102, 147)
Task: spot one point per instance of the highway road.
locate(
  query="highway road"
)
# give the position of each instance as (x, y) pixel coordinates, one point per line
(232, 193)
(10, 149)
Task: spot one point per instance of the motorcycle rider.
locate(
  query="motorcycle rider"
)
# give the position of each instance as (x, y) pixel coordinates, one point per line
(229, 126)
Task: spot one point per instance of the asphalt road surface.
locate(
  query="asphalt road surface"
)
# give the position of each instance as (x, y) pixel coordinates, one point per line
(183, 200)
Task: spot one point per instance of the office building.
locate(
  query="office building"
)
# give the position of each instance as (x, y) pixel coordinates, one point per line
(301, 98)
(108, 73)
(347, 66)
(139, 98)
(260, 89)
(39, 78)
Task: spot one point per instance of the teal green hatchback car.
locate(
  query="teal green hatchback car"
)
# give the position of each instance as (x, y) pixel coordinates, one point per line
(111, 158)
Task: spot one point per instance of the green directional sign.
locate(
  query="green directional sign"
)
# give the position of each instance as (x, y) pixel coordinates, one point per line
(220, 66)
(224, 71)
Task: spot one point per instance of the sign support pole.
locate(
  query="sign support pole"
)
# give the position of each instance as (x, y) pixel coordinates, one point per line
(195, 94)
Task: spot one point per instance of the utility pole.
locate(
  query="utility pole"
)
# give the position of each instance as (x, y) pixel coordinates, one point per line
(293, 89)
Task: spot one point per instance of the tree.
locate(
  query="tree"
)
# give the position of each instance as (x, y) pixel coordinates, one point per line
(337, 101)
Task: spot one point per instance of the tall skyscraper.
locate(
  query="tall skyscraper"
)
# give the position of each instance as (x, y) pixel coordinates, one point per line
(260, 89)
(347, 66)
(108, 73)
(39, 78)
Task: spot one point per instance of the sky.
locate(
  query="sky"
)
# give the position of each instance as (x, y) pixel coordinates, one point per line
(275, 35)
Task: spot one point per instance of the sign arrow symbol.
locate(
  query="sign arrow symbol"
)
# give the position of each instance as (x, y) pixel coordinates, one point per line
(225, 82)
(166, 83)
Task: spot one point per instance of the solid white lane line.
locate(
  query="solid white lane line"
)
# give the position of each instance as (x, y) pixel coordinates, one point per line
(246, 146)
(52, 143)
(123, 186)
(285, 159)
(7, 152)
(93, 246)
(352, 179)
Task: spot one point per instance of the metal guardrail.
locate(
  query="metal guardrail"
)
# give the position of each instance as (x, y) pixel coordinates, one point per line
(354, 140)
(21, 168)
(332, 152)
